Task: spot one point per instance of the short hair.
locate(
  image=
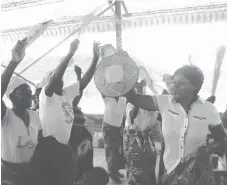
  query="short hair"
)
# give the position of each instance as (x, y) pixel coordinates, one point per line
(193, 74)
(96, 176)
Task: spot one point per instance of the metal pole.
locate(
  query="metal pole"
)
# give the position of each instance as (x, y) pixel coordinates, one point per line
(118, 20)
(21, 76)
(45, 54)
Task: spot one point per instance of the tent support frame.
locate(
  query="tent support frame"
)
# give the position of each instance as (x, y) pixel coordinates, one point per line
(53, 48)
(118, 20)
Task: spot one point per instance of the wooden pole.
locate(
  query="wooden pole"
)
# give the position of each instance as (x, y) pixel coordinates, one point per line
(118, 20)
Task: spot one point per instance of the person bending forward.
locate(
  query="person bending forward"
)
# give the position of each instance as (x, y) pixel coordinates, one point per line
(55, 105)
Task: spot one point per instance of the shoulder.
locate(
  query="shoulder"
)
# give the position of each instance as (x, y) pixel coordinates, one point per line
(8, 114)
(209, 108)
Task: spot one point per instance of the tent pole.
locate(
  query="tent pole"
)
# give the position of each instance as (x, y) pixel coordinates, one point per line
(20, 76)
(49, 51)
(118, 20)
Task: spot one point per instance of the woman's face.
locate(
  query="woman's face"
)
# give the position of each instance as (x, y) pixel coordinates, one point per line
(182, 88)
(22, 96)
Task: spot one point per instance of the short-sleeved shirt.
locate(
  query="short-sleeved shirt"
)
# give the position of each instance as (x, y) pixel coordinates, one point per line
(19, 141)
(184, 133)
(114, 111)
(56, 113)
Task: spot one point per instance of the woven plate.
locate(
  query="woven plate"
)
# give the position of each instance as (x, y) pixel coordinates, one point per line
(116, 75)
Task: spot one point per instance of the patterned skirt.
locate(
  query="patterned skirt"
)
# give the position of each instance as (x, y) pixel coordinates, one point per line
(196, 170)
(140, 157)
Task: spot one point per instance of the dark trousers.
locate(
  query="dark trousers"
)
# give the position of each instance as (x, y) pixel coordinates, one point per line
(15, 173)
(113, 147)
(84, 164)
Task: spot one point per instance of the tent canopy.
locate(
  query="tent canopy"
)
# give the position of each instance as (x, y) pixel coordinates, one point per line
(161, 48)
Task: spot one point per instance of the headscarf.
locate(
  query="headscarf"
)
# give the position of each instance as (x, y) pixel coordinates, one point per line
(14, 83)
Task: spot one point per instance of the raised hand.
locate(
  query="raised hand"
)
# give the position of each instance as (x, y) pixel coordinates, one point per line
(123, 53)
(74, 46)
(77, 70)
(96, 49)
(18, 52)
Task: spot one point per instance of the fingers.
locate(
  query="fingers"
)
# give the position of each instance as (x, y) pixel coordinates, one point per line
(97, 42)
(97, 45)
(123, 53)
(20, 46)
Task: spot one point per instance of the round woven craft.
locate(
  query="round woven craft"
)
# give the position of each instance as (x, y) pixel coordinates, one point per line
(116, 75)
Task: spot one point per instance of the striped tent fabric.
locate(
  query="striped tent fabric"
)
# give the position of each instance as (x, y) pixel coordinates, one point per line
(188, 15)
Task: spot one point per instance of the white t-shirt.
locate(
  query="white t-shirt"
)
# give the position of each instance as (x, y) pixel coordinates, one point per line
(114, 111)
(18, 142)
(56, 113)
(184, 133)
(143, 120)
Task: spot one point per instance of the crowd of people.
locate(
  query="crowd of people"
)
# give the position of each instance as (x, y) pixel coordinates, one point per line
(48, 143)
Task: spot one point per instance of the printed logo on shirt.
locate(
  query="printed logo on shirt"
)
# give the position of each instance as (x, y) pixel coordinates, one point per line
(200, 118)
(68, 112)
(173, 112)
(23, 142)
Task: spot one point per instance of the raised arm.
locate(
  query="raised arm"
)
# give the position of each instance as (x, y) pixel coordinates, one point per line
(60, 70)
(18, 54)
(145, 102)
(90, 72)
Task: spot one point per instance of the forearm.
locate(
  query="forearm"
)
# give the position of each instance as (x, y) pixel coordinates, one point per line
(141, 101)
(89, 74)
(6, 76)
(60, 70)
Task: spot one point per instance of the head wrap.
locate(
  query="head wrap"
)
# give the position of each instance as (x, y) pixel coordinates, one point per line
(14, 83)
(193, 74)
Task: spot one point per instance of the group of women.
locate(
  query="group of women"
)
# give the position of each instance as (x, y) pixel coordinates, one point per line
(54, 147)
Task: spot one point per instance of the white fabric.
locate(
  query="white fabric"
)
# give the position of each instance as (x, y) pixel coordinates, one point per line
(14, 83)
(184, 134)
(45, 80)
(143, 120)
(114, 111)
(17, 145)
(56, 113)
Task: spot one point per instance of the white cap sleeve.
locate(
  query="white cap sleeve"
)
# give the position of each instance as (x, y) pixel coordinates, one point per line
(214, 118)
(161, 102)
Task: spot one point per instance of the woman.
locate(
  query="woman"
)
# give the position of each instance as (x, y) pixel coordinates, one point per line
(20, 125)
(112, 127)
(186, 122)
(139, 149)
(80, 138)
